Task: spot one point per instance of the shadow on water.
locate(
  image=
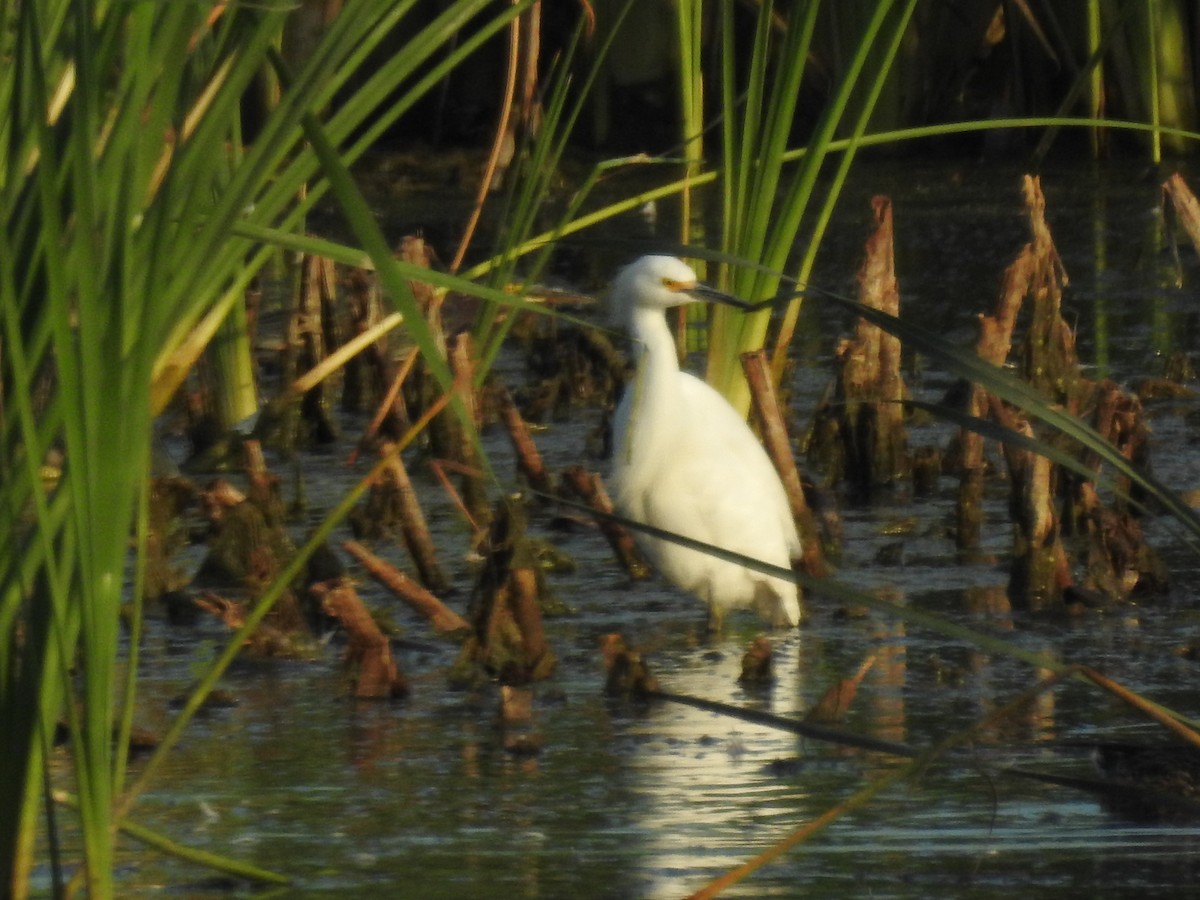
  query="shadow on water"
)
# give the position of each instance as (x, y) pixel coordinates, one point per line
(421, 799)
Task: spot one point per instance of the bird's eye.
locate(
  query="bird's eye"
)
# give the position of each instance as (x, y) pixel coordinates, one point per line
(672, 285)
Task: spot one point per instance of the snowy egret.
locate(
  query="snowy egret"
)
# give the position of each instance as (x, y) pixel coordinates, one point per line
(686, 462)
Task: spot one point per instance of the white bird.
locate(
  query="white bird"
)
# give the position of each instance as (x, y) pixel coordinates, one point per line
(686, 462)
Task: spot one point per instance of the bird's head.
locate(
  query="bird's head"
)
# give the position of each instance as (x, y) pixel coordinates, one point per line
(652, 282)
(659, 283)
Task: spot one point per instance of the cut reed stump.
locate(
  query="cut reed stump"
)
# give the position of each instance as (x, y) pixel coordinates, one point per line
(1040, 570)
(507, 641)
(757, 668)
(529, 460)
(626, 675)
(1040, 573)
(463, 448)
(859, 431)
(262, 486)
(368, 657)
(1047, 352)
(366, 375)
(312, 335)
(993, 346)
(1187, 208)
(251, 547)
(217, 499)
(1120, 563)
(1047, 503)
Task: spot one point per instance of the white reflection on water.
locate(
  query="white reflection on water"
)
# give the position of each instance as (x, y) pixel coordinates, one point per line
(706, 793)
(710, 797)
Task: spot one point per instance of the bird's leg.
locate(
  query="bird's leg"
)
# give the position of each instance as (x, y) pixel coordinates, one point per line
(716, 619)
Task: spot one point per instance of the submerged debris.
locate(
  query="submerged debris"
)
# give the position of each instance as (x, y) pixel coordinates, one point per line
(568, 365)
(267, 639)
(167, 534)
(626, 673)
(1144, 783)
(250, 547)
(757, 669)
(833, 706)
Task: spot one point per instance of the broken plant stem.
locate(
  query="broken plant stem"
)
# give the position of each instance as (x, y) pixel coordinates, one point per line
(389, 399)
(443, 619)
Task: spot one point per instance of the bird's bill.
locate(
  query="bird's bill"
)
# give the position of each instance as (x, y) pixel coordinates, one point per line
(704, 292)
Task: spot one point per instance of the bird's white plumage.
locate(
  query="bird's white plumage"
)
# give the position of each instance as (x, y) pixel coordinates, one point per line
(686, 462)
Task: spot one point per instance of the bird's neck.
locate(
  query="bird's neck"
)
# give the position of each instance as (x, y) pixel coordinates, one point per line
(655, 343)
(654, 399)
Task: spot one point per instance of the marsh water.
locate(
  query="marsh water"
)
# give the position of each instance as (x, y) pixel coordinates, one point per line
(419, 798)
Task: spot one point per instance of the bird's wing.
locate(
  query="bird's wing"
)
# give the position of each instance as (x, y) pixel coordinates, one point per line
(726, 471)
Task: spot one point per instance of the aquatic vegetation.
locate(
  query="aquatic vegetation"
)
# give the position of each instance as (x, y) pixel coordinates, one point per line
(138, 210)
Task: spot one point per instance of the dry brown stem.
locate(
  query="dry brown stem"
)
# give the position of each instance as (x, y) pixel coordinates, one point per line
(835, 703)
(368, 652)
(1187, 208)
(864, 421)
(779, 448)
(413, 527)
(474, 494)
(508, 640)
(312, 334)
(392, 404)
(443, 619)
(529, 460)
(589, 487)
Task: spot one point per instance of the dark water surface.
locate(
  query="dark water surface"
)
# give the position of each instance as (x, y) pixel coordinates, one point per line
(419, 798)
